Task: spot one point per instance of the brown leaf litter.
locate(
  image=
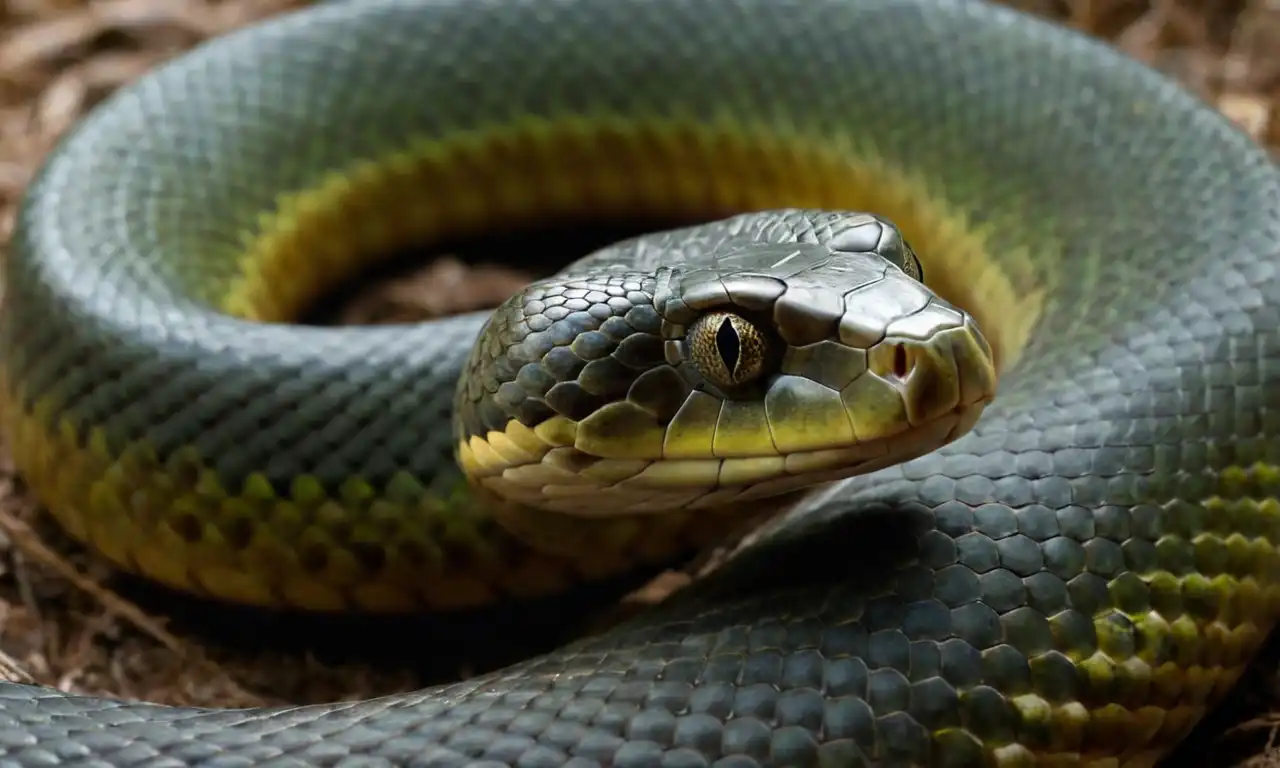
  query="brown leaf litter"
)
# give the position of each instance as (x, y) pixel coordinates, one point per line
(64, 619)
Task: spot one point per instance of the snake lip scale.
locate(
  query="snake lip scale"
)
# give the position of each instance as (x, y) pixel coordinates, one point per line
(902, 205)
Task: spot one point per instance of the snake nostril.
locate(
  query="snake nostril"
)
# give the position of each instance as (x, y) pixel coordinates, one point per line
(901, 361)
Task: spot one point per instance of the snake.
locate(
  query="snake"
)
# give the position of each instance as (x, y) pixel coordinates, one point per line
(961, 324)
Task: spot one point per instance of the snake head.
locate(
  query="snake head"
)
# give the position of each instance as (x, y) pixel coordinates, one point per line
(741, 359)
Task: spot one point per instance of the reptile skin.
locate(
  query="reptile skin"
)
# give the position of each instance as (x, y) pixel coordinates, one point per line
(1076, 580)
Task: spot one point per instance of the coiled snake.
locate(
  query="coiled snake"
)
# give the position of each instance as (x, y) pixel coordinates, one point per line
(1076, 577)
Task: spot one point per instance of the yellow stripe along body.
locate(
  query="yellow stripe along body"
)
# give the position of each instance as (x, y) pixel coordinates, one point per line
(1076, 580)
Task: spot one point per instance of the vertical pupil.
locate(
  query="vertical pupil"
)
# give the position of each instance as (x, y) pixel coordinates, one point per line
(727, 345)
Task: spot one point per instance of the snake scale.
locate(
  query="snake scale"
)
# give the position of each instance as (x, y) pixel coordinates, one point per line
(1074, 577)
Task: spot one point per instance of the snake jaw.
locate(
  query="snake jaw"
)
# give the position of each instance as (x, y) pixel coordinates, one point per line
(567, 480)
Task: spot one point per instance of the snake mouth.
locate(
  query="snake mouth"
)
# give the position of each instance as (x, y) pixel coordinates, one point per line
(566, 480)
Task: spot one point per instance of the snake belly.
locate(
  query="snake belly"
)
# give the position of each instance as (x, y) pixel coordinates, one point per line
(1076, 580)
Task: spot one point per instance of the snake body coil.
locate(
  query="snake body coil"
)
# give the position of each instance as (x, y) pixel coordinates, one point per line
(1076, 578)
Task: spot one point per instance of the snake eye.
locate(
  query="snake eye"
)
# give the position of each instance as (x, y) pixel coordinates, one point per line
(894, 248)
(728, 350)
(911, 263)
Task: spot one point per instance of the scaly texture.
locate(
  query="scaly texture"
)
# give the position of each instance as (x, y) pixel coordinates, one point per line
(1078, 579)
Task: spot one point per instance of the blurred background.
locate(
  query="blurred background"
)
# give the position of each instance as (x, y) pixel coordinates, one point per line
(67, 621)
